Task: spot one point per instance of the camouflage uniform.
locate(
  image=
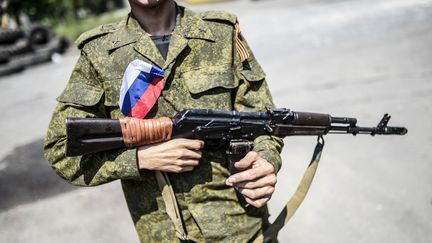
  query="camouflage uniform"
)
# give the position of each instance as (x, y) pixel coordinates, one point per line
(202, 70)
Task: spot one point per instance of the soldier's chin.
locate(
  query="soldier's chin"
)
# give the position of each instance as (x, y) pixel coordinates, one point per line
(147, 3)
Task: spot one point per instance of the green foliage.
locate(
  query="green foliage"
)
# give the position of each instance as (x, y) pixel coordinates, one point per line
(58, 10)
(73, 28)
(68, 17)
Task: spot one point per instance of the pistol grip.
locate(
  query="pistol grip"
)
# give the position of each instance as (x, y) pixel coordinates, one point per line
(237, 150)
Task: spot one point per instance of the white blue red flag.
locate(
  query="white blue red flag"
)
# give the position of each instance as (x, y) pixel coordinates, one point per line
(141, 87)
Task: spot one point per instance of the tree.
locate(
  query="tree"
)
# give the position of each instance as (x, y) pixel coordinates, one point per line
(57, 10)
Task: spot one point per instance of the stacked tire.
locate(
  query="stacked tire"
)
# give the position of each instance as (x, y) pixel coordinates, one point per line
(19, 49)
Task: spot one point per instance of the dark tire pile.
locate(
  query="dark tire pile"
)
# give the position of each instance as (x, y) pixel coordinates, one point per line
(20, 49)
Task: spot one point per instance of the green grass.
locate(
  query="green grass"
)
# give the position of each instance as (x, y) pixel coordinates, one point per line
(71, 29)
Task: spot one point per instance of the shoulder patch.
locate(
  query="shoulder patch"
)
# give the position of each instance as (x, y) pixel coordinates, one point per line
(94, 33)
(219, 16)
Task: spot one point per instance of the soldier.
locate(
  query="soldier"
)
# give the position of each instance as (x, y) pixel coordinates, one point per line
(206, 64)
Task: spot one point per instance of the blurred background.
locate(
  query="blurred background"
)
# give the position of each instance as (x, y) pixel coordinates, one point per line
(358, 58)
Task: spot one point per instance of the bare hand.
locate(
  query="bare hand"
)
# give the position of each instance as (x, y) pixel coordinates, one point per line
(177, 155)
(256, 181)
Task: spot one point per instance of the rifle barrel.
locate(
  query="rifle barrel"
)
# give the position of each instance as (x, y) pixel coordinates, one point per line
(368, 130)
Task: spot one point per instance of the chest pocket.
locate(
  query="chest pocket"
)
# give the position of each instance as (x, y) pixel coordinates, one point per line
(204, 88)
(204, 79)
(81, 94)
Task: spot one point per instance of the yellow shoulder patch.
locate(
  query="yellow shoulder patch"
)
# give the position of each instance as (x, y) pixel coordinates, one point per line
(94, 33)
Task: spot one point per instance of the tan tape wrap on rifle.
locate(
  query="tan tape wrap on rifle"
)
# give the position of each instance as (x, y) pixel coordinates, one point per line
(137, 132)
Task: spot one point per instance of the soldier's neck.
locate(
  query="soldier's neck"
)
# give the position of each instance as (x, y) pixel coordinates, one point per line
(157, 21)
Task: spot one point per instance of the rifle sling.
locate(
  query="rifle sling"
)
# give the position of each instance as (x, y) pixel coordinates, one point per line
(171, 205)
(298, 197)
(284, 216)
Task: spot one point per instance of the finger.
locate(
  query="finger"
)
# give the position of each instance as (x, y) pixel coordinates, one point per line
(192, 144)
(269, 180)
(177, 169)
(188, 162)
(251, 174)
(187, 168)
(190, 154)
(257, 193)
(247, 161)
(259, 202)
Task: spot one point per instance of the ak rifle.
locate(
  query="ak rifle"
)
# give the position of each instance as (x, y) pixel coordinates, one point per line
(233, 130)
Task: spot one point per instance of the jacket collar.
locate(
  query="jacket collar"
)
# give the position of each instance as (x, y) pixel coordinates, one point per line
(125, 34)
(191, 26)
(188, 26)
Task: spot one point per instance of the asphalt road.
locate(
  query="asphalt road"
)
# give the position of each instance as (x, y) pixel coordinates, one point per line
(346, 58)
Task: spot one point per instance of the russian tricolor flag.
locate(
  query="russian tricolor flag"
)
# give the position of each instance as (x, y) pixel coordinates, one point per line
(141, 87)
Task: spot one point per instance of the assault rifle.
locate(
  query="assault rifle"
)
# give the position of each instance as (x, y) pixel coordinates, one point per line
(226, 129)
(230, 130)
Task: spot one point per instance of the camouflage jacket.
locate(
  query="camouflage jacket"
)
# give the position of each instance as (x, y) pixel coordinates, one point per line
(202, 70)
